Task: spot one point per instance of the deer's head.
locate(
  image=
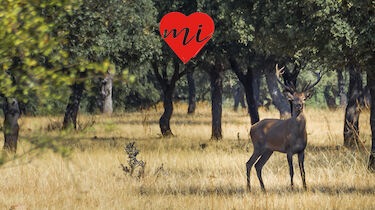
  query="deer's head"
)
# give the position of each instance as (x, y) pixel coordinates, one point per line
(297, 98)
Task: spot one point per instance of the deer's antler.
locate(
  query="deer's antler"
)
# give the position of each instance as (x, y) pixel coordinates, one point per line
(309, 86)
(289, 87)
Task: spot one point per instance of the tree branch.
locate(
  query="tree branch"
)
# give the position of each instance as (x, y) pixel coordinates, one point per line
(183, 73)
(157, 75)
(176, 73)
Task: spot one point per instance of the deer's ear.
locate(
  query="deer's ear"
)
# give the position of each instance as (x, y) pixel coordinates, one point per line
(289, 96)
(308, 95)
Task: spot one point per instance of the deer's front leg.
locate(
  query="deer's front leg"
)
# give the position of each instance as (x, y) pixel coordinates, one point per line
(291, 172)
(301, 158)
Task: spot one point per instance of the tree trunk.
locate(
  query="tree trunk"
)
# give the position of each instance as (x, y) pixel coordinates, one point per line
(70, 118)
(280, 102)
(168, 88)
(192, 97)
(252, 104)
(242, 100)
(341, 87)
(239, 97)
(366, 97)
(256, 87)
(330, 100)
(11, 114)
(106, 95)
(371, 86)
(351, 128)
(165, 119)
(216, 100)
(248, 83)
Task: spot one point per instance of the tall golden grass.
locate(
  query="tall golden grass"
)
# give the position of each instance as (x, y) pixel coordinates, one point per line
(180, 172)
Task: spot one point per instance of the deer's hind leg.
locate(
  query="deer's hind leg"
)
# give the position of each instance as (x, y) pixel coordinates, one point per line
(250, 164)
(259, 165)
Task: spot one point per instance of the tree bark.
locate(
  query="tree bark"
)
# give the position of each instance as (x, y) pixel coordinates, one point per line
(70, 118)
(252, 104)
(330, 100)
(106, 95)
(280, 102)
(216, 99)
(366, 97)
(242, 100)
(247, 81)
(11, 114)
(192, 92)
(256, 87)
(341, 87)
(168, 86)
(165, 119)
(371, 86)
(239, 97)
(351, 127)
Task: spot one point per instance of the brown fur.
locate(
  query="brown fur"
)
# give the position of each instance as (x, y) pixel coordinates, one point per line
(287, 136)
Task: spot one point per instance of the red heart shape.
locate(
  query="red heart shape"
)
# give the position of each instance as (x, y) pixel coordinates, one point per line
(186, 35)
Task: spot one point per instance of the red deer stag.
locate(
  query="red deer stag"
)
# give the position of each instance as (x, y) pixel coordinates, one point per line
(287, 136)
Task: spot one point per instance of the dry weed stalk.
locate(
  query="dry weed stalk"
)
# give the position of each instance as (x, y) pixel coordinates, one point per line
(133, 162)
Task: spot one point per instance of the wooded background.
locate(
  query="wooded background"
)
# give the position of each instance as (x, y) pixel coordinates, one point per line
(70, 57)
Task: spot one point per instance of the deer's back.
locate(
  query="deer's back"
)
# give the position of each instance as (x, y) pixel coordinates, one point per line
(279, 135)
(261, 129)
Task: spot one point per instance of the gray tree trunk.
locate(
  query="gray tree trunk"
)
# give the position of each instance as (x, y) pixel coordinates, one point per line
(330, 98)
(256, 87)
(216, 76)
(353, 109)
(341, 87)
(371, 86)
(239, 97)
(168, 87)
(247, 81)
(192, 92)
(280, 102)
(11, 114)
(165, 119)
(106, 94)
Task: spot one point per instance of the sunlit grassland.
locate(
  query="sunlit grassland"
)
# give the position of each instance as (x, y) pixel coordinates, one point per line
(187, 171)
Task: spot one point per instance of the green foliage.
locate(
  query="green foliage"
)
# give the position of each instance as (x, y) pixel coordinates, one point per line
(47, 45)
(122, 32)
(115, 29)
(337, 33)
(141, 93)
(33, 61)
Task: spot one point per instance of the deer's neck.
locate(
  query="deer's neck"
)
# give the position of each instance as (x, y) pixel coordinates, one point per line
(300, 121)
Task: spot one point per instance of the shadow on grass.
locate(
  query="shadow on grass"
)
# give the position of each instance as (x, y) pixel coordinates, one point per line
(240, 191)
(173, 122)
(122, 138)
(194, 190)
(336, 149)
(342, 190)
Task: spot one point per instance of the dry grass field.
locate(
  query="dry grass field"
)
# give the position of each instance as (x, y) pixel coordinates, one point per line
(180, 172)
